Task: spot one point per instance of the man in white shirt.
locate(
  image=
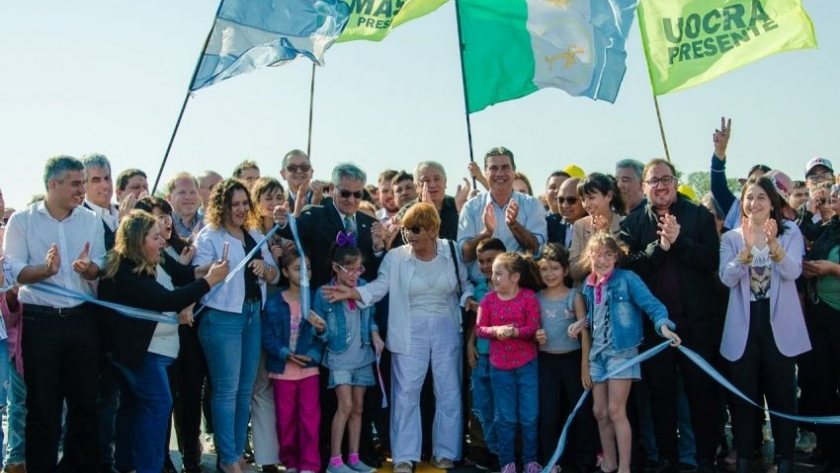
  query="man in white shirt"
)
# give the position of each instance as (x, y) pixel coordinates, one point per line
(515, 218)
(59, 242)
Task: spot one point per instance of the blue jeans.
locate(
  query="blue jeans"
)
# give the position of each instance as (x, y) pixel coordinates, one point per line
(516, 399)
(17, 416)
(231, 345)
(482, 400)
(148, 417)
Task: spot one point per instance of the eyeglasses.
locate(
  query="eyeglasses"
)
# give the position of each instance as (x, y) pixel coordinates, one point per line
(352, 272)
(820, 176)
(345, 194)
(415, 229)
(298, 168)
(667, 181)
(567, 200)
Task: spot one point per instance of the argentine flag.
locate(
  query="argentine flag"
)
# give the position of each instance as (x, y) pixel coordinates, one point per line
(512, 48)
(252, 34)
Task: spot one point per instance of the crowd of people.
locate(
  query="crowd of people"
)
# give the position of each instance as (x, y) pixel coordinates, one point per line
(416, 326)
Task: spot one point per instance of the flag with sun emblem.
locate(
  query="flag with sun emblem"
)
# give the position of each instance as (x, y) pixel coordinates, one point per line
(512, 48)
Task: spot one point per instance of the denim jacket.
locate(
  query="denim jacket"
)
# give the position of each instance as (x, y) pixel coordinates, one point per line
(276, 330)
(333, 313)
(629, 298)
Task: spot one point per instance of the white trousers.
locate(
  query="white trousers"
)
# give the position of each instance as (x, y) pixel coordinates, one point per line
(439, 341)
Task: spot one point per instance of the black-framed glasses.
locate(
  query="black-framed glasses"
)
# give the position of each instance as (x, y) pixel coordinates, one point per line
(345, 194)
(298, 168)
(665, 180)
(567, 200)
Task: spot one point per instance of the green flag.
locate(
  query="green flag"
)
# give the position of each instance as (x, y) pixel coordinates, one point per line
(688, 42)
(374, 19)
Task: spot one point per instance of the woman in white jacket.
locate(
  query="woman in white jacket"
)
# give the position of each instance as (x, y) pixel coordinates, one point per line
(428, 284)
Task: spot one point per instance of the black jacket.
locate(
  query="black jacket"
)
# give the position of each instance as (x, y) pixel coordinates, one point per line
(698, 251)
(317, 227)
(128, 338)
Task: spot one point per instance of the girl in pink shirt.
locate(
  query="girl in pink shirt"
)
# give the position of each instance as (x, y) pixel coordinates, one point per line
(510, 317)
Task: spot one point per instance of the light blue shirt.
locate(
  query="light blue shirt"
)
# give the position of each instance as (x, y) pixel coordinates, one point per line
(531, 217)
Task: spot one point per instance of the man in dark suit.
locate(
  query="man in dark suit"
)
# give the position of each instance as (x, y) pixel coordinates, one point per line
(318, 226)
(570, 208)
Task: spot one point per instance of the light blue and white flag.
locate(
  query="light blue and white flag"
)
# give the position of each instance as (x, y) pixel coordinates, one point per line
(252, 34)
(512, 48)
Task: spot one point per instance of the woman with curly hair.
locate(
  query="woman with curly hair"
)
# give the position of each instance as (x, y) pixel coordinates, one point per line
(229, 328)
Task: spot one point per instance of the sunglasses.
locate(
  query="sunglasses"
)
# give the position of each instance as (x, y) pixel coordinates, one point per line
(567, 200)
(298, 168)
(415, 230)
(345, 194)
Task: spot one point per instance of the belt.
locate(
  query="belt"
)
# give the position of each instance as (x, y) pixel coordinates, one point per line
(57, 312)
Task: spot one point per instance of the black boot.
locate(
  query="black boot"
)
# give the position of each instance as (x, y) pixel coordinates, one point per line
(784, 466)
(745, 465)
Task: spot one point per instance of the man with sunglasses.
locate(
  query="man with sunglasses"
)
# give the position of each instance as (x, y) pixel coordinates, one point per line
(297, 172)
(515, 218)
(318, 225)
(570, 210)
(673, 246)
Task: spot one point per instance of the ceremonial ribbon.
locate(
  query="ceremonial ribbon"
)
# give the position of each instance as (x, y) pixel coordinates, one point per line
(304, 271)
(381, 382)
(703, 365)
(56, 290)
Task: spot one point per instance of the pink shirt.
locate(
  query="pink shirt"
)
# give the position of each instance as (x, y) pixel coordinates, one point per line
(14, 330)
(523, 312)
(293, 371)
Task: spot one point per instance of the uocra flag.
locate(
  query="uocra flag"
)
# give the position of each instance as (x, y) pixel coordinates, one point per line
(688, 42)
(252, 34)
(512, 48)
(374, 19)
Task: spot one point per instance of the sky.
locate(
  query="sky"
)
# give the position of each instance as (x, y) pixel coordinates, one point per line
(110, 77)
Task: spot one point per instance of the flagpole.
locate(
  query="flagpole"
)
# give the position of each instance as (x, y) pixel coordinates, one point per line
(653, 91)
(186, 99)
(461, 47)
(661, 127)
(311, 113)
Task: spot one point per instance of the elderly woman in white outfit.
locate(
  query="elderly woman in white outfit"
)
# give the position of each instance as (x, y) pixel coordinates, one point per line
(427, 283)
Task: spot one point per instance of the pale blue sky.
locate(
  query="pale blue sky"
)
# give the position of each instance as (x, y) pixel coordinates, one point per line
(109, 76)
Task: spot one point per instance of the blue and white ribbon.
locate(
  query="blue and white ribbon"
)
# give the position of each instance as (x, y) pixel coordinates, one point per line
(703, 365)
(56, 290)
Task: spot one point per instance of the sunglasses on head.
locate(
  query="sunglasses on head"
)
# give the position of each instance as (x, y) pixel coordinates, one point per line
(345, 194)
(567, 200)
(298, 168)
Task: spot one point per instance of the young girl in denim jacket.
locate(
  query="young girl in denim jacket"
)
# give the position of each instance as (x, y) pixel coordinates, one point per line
(616, 301)
(510, 317)
(351, 338)
(293, 353)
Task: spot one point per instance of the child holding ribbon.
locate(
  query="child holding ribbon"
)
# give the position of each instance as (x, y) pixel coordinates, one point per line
(616, 299)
